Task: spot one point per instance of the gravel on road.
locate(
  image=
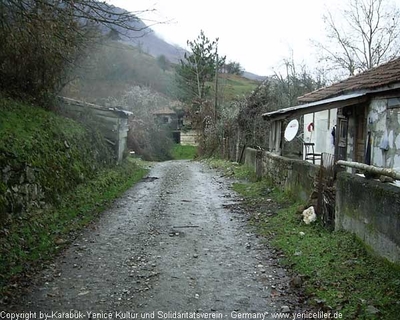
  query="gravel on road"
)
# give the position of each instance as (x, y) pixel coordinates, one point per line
(170, 246)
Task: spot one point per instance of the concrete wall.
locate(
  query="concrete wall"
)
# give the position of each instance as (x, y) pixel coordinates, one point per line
(371, 210)
(295, 176)
(189, 138)
(250, 158)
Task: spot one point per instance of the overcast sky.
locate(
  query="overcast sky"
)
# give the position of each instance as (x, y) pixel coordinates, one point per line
(257, 33)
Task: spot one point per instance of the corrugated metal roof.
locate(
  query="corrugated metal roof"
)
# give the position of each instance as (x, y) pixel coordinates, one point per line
(281, 112)
(384, 75)
(165, 110)
(121, 112)
(117, 110)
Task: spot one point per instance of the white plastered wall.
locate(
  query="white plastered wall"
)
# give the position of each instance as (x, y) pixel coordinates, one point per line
(321, 135)
(384, 124)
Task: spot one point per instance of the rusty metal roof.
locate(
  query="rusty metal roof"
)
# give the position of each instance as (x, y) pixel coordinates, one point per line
(386, 74)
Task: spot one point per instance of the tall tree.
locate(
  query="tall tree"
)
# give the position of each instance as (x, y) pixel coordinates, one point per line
(365, 35)
(198, 68)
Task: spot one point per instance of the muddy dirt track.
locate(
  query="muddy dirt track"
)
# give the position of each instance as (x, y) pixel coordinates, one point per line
(169, 244)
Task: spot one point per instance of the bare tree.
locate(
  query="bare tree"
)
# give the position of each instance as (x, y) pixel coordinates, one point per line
(98, 12)
(42, 39)
(366, 35)
(294, 82)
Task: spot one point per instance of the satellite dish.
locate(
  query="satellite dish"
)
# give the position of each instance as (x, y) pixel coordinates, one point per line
(291, 130)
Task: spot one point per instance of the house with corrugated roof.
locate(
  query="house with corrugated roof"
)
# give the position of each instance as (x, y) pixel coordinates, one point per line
(168, 117)
(357, 119)
(179, 123)
(112, 122)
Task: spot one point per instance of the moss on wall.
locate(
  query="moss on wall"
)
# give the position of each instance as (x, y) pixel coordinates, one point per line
(42, 156)
(371, 210)
(295, 176)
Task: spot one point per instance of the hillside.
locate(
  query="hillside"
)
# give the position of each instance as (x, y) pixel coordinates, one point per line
(146, 39)
(149, 42)
(253, 76)
(233, 86)
(115, 67)
(49, 153)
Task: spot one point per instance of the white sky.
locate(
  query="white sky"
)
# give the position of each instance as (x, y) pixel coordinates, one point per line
(258, 34)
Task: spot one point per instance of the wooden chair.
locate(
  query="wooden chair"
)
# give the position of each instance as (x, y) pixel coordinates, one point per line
(309, 152)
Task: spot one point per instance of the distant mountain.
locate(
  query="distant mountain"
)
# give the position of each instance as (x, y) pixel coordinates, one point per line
(155, 46)
(253, 76)
(148, 41)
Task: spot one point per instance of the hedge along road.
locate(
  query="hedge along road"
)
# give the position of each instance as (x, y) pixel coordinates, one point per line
(168, 246)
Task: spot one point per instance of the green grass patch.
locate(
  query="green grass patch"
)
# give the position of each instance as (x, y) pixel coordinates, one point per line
(38, 236)
(180, 152)
(232, 86)
(232, 169)
(57, 152)
(335, 267)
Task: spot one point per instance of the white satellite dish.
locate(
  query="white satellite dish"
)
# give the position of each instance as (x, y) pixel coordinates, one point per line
(291, 130)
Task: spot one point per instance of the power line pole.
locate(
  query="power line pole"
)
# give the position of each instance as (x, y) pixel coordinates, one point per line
(216, 90)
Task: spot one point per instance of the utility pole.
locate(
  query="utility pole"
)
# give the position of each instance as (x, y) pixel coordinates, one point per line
(216, 89)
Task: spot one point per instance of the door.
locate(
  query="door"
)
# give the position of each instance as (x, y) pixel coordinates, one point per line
(341, 138)
(360, 139)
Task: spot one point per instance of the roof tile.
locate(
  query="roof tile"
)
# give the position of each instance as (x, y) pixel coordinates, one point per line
(383, 75)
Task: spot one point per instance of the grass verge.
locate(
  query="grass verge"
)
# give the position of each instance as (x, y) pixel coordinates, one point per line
(336, 270)
(232, 169)
(36, 237)
(180, 152)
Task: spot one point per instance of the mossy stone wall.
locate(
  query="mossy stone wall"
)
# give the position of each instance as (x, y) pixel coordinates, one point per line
(295, 176)
(371, 210)
(42, 156)
(368, 208)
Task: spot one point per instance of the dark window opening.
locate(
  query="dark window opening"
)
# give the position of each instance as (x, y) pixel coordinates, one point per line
(393, 103)
(176, 136)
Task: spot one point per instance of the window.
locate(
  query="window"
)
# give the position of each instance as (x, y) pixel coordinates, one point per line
(393, 103)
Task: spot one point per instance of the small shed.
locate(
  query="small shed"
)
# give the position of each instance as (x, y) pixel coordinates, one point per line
(171, 119)
(111, 122)
(360, 116)
(166, 116)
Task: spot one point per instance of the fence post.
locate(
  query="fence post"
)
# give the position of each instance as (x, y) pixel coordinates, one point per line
(259, 166)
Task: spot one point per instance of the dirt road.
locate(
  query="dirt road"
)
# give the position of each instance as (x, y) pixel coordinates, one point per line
(170, 244)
